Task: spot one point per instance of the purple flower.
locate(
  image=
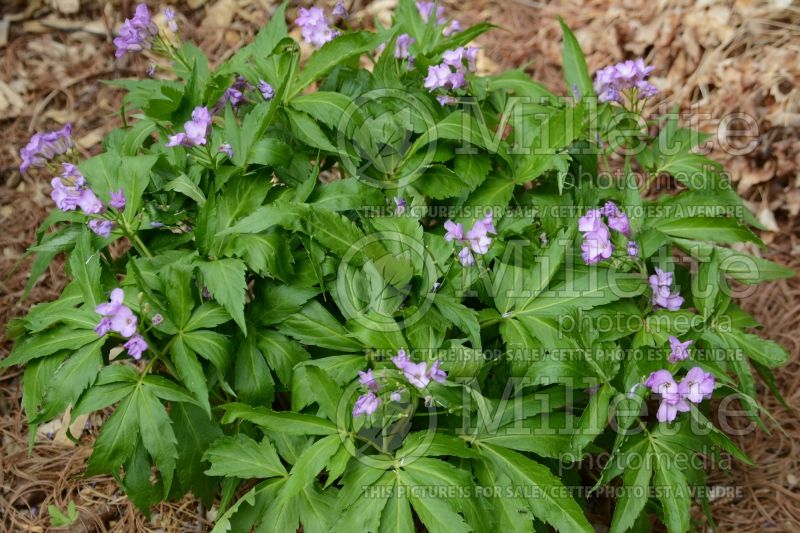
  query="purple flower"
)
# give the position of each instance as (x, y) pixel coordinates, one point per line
(169, 15)
(438, 77)
(43, 147)
(395, 396)
(117, 200)
(404, 40)
(117, 316)
(417, 374)
(465, 256)
(663, 297)
(455, 232)
(426, 10)
(697, 385)
(453, 27)
(157, 319)
(103, 327)
(314, 26)
(633, 248)
(678, 350)
(226, 149)
(366, 404)
(70, 191)
(436, 373)
(662, 383)
(596, 245)
(401, 359)
(101, 226)
(478, 236)
(136, 33)
(367, 379)
(136, 345)
(400, 204)
(196, 130)
(446, 99)
(339, 10)
(151, 70)
(629, 76)
(591, 221)
(266, 90)
(617, 220)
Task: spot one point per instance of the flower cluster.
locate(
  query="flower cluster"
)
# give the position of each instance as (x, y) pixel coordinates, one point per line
(70, 192)
(137, 33)
(419, 375)
(596, 235)
(196, 131)
(629, 76)
(426, 11)
(315, 26)
(663, 297)
(451, 73)
(43, 147)
(119, 318)
(235, 93)
(696, 386)
(477, 239)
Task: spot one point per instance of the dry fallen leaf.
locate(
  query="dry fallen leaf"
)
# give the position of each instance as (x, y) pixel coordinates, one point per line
(219, 15)
(67, 7)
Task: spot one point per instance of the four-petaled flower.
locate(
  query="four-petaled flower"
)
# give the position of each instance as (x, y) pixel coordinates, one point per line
(117, 200)
(662, 383)
(266, 90)
(404, 40)
(477, 239)
(101, 226)
(368, 380)
(697, 385)
(116, 316)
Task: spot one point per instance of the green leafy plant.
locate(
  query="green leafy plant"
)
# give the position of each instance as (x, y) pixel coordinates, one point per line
(372, 290)
(59, 519)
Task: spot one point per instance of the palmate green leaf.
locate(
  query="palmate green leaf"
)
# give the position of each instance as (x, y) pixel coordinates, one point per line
(242, 457)
(511, 512)
(308, 466)
(635, 493)
(166, 389)
(186, 186)
(282, 354)
(576, 73)
(307, 131)
(673, 493)
(763, 351)
(317, 509)
(177, 282)
(265, 253)
(42, 316)
(551, 503)
(585, 291)
(252, 379)
(136, 483)
(545, 267)
(155, 428)
(461, 316)
(35, 381)
(282, 421)
(333, 53)
(438, 515)
(71, 379)
(47, 343)
(212, 345)
(84, 266)
(547, 434)
(715, 229)
(346, 194)
(520, 83)
(195, 431)
(593, 420)
(311, 384)
(327, 107)
(117, 438)
(225, 279)
(190, 372)
(747, 269)
(396, 516)
(316, 326)
(365, 513)
(244, 514)
(207, 315)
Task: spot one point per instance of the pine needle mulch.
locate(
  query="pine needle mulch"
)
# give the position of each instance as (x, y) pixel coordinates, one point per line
(712, 59)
